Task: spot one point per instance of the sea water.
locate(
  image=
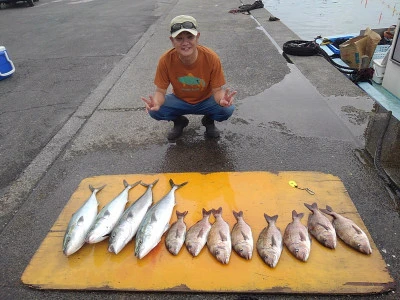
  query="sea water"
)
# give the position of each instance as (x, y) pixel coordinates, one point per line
(311, 18)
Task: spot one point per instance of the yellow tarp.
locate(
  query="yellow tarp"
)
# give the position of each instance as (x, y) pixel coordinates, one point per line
(338, 271)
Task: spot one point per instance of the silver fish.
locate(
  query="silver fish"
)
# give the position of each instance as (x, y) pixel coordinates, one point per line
(349, 232)
(155, 222)
(270, 243)
(296, 237)
(219, 239)
(320, 227)
(109, 216)
(196, 237)
(176, 234)
(80, 223)
(130, 220)
(242, 237)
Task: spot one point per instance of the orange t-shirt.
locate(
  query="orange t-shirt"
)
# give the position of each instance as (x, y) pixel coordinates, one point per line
(192, 83)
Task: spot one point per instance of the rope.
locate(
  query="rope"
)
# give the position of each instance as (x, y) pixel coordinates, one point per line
(311, 48)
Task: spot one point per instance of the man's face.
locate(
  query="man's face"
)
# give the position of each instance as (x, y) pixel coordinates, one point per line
(185, 43)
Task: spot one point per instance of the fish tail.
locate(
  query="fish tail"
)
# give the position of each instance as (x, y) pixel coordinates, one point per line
(295, 215)
(270, 219)
(328, 210)
(171, 182)
(96, 190)
(181, 214)
(126, 184)
(238, 215)
(217, 212)
(206, 213)
(150, 184)
(310, 207)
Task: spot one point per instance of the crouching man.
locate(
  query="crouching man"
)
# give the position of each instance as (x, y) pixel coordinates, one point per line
(197, 78)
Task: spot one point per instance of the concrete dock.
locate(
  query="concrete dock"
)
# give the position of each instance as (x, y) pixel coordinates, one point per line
(299, 116)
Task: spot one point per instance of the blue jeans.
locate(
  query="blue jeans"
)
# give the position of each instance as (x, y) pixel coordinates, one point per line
(174, 107)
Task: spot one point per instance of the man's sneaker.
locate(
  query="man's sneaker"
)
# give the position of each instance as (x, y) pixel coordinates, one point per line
(179, 123)
(211, 130)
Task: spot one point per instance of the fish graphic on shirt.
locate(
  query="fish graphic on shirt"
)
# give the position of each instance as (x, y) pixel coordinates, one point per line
(192, 81)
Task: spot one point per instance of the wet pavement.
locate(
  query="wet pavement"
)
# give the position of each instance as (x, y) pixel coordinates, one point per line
(289, 117)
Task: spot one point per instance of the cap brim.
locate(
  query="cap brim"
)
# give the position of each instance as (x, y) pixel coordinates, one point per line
(176, 33)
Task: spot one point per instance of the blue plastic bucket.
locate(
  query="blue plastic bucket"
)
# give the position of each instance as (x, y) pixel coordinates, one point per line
(6, 65)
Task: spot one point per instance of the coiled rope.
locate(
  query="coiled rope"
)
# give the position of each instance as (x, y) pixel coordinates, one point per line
(310, 48)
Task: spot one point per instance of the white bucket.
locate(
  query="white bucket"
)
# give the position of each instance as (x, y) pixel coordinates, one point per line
(379, 71)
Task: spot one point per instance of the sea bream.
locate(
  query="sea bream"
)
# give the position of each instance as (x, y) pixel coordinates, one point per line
(196, 236)
(349, 232)
(219, 239)
(296, 237)
(321, 227)
(156, 222)
(80, 223)
(130, 220)
(242, 237)
(176, 234)
(109, 216)
(270, 243)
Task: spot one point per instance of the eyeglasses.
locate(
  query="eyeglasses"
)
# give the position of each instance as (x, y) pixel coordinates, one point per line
(186, 25)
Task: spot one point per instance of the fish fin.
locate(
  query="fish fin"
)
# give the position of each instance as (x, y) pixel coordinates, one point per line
(325, 227)
(201, 233)
(245, 236)
(153, 218)
(238, 215)
(358, 230)
(223, 236)
(149, 184)
(273, 241)
(126, 184)
(216, 212)
(96, 190)
(270, 219)
(328, 210)
(310, 207)
(181, 214)
(295, 215)
(206, 213)
(80, 221)
(302, 236)
(171, 182)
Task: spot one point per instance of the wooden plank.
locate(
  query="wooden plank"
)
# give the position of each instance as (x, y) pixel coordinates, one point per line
(339, 271)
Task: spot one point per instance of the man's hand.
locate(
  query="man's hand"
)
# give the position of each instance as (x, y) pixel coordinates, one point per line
(151, 104)
(155, 102)
(227, 98)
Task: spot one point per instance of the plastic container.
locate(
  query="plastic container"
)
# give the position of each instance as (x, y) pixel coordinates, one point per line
(379, 70)
(6, 65)
(380, 51)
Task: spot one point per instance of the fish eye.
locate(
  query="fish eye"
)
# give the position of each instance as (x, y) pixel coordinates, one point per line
(216, 252)
(240, 250)
(189, 246)
(296, 250)
(265, 256)
(359, 245)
